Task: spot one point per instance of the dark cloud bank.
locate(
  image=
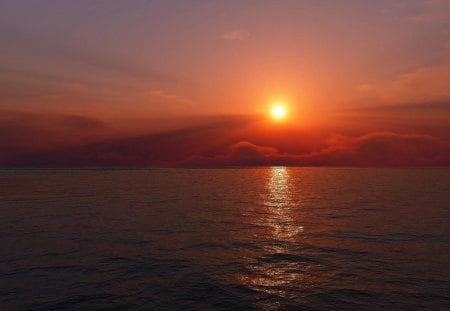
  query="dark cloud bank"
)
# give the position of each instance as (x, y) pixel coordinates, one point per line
(373, 149)
(30, 140)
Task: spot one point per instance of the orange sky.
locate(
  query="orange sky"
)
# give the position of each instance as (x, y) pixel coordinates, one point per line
(192, 83)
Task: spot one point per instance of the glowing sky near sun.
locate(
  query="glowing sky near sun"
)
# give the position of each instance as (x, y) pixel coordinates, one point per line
(75, 72)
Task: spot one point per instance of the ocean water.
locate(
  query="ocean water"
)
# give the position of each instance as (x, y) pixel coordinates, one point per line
(225, 239)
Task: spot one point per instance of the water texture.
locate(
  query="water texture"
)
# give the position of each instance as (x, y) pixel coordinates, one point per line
(225, 239)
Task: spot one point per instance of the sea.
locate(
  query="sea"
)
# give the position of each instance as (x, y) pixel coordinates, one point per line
(269, 238)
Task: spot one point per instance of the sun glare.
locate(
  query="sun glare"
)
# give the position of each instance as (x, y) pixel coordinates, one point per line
(278, 111)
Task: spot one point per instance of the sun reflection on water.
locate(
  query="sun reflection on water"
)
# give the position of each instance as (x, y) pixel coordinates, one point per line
(279, 201)
(278, 187)
(276, 268)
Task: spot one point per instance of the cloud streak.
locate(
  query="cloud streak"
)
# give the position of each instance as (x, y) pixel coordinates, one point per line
(161, 96)
(423, 84)
(429, 11)
(236, 35)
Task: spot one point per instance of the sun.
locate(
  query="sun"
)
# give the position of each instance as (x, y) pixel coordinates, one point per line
(279, 111)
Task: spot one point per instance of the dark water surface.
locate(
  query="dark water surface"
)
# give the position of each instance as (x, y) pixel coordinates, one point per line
(263, 238)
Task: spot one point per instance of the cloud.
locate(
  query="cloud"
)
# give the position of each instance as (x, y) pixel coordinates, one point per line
(50, 94)
(236, 35)
(373, 149)
(438, 107)
(78, 56)
(429, 11)
(422, 85)
(23, 131)
(157, 149)
(164, 97)
(383, 148)
(239, 154)
(81, 122)
(76, 141)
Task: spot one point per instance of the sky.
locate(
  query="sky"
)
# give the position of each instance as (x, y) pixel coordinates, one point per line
(191, 83)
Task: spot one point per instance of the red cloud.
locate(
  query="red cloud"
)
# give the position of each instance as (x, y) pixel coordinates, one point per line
(384, 148)
(240, 154)
(67, 141)
(374, 149)
(23, 132)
